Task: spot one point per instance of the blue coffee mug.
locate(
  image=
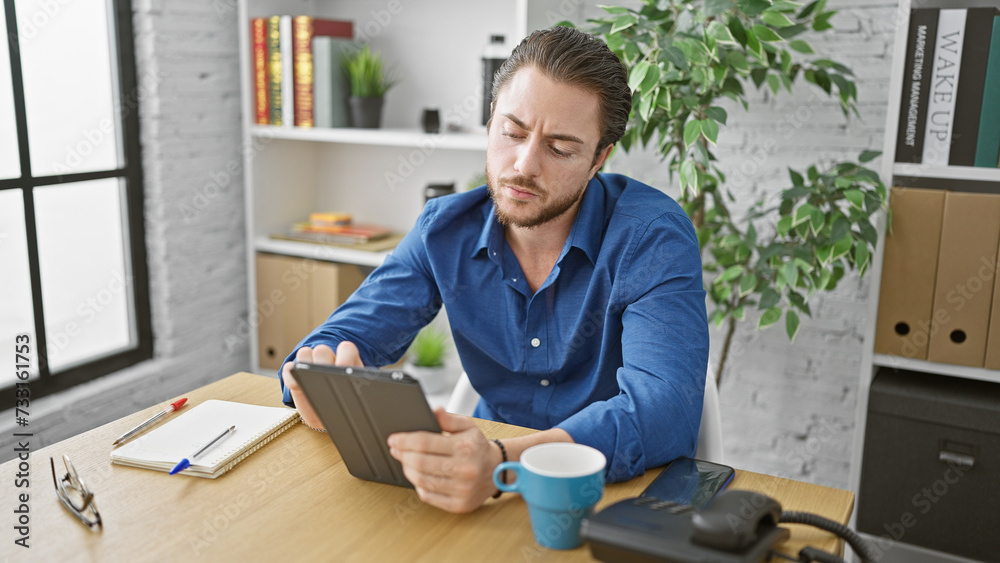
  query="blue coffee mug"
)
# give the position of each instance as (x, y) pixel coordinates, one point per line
(560, 482)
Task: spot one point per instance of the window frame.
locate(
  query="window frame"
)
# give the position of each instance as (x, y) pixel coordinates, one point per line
(47, 383)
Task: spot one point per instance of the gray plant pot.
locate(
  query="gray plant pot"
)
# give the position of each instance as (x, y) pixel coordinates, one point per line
(366, 112)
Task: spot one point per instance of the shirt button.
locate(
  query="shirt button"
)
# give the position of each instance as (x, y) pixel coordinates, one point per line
(535, 343)
(544, 382)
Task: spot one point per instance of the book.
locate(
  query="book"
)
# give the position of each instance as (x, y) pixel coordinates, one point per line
(971, 83)
(302, 60)
(260, 83)
(305, 54)
(330, 88)
(941, 104)
(274, 69)
(916, 85)
(287, 72)
(162, 448)
(341, 233)
(988, 143)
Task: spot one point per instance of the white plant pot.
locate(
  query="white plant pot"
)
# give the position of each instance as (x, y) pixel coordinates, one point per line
(432, 380)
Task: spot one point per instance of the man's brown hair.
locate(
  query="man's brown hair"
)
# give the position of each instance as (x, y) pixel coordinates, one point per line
(571, 56)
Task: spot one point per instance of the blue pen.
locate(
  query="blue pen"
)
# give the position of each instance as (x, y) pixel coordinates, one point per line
(185, 463)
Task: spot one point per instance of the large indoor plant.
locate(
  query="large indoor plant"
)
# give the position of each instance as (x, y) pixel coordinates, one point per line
(685, 59)
(369, 81)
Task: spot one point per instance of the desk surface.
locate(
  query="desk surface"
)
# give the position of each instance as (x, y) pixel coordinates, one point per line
(295, 500)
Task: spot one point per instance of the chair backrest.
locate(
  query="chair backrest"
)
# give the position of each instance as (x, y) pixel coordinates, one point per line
(464, 398)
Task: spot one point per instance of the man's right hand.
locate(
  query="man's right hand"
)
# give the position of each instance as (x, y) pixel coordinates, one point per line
(347, 355)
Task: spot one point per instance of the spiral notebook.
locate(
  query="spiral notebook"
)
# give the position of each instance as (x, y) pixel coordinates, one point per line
(162, 448)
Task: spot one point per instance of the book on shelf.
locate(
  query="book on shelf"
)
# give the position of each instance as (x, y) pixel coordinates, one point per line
(941, 103)
(258, 34)
(296, 60)
(971, 84)
(988, 143)
(340, 233)
(916, 85)
(274, 69)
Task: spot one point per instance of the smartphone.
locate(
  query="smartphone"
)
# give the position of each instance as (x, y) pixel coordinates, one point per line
(690, 481)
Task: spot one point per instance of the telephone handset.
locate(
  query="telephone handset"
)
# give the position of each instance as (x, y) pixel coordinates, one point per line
(734, 527)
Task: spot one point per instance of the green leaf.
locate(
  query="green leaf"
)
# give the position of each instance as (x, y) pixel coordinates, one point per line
(646, 104)
(689, 176)
(775, 19)
(802, 214)
(868, 156)
(738, 61)
(730, 274)
(737, 29)
(624, 21)
(717, 113)
(856, 197)
(747, 284)
(816, 221)
(613, 9)
(769, 317)
(797, 179)
(801, 46)
(739, 313)
(784, 225)
(753, 8)
(861, 256)
(691, 131)
(765, 34)
(773, 83)
(718, 31)
(637, 75)
(651, 79)
(676, 57)
(716, 7)
(791, 324)
(769, 298)
(710, 129)
(817, 5)
(843, 246)
(791, 273)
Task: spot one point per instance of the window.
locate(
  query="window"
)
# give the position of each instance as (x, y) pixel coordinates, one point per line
(72, 252)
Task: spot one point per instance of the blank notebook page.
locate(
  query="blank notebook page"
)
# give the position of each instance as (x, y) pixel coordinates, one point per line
(181, 437)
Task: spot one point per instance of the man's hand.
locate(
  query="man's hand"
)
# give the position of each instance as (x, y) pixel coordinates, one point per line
(347, 355)
(452, 471)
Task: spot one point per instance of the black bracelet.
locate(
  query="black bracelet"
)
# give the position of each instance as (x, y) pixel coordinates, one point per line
(503, 474)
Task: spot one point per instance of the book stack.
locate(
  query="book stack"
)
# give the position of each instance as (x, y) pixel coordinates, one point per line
(340, 230)
(950, 110)
(296, 69)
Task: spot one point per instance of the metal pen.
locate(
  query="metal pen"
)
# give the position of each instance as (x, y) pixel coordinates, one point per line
(185, 463)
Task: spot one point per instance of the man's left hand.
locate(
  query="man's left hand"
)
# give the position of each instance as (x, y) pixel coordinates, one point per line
(452, 471)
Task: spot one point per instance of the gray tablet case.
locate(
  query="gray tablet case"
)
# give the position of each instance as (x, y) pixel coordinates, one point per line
(360, 408)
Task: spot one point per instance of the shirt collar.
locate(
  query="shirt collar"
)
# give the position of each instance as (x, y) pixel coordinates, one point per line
(585, 234)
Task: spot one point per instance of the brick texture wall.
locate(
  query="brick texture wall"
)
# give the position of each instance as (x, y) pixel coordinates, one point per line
(188, 101)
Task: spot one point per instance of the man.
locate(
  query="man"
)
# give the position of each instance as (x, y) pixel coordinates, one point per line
(575, 299)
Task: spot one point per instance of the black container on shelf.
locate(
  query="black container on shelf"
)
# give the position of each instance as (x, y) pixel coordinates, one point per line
(493, 57)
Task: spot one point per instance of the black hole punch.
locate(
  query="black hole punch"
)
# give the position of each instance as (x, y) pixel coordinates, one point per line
(958, 336)
(902, 329)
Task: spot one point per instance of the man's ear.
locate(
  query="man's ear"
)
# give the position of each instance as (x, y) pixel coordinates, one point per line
(602, 156)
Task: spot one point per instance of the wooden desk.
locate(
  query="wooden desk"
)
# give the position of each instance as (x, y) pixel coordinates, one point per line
(295, 501)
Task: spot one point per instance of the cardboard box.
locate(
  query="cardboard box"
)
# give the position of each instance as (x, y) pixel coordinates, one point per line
(963, 294)
(909, 268)
(294, 296)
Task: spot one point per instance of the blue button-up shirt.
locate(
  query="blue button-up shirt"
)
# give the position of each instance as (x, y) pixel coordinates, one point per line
(612, 348)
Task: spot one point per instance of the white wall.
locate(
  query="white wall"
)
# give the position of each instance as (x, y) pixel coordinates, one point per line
(788, 408)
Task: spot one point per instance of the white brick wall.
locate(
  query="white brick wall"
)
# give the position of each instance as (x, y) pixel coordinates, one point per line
(186, 59)
(788, 408)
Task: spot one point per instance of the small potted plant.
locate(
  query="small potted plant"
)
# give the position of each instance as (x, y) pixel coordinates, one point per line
(425, 359)
(369, 82)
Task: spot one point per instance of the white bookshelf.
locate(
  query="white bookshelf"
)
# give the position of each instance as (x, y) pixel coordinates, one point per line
(893, 173)
(378, 176)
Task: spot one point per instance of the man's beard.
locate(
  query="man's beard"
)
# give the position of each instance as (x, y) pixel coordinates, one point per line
(547, 213)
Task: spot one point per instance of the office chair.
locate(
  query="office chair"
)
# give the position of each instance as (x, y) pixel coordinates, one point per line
(463, 400)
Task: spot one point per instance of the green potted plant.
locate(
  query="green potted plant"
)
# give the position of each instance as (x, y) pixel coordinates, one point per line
(369, 81)
(425, 359)
(685, 59)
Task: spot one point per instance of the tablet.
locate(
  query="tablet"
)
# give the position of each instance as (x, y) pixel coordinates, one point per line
(360, 408)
